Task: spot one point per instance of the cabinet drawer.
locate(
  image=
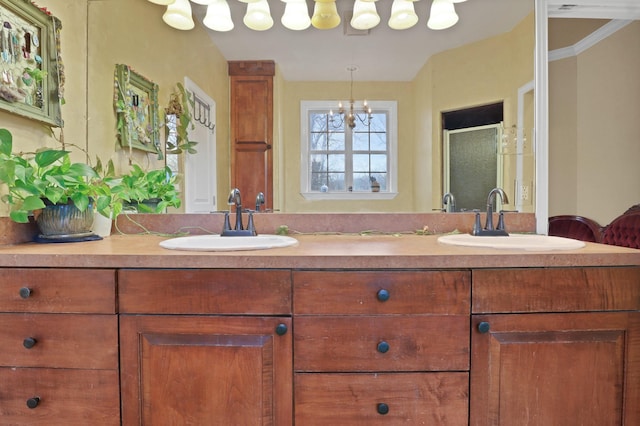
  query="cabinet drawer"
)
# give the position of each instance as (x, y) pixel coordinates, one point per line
(197, 291)
(66, 397)
(415, 292)
(377, 343)
(556, 290)
(382, 399)
(59, 341)
(58, 290)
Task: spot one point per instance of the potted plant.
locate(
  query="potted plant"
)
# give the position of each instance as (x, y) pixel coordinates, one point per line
(47, 180)
(144, 191)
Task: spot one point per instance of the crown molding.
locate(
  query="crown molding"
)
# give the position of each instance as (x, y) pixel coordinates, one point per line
(591, 40)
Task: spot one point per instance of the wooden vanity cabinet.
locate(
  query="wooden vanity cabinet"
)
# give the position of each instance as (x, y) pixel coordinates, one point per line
(206, 347)
(557, 346)
(59, 339)
(383, 347)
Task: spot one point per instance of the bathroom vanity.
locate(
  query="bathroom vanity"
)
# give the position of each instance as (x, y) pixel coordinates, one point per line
(341, 330)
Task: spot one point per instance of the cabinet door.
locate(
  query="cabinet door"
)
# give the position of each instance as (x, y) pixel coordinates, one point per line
(252, 133)
(556, 369)
(206, 370)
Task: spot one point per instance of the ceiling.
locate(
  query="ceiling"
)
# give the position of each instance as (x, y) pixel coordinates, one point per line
(383, 54)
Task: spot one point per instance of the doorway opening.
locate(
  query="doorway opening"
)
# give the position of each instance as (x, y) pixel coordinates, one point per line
(472, 166)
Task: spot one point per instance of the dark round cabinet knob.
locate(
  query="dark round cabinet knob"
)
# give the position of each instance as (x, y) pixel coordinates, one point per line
(383, 295)
(29, 342)
(383, 347)
(25, 292)
(281, 329)
(33, 402)
(383, 408)
(484, 327)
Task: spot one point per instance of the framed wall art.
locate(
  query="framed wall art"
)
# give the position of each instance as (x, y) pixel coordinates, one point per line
(31, 70)
(136, 105)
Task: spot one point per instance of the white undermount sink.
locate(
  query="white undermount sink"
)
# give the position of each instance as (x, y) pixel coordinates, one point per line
(218, 243)
(528, 242)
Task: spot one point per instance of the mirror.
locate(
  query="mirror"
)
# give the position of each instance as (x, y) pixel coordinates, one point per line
(480, 73)
(587, 147)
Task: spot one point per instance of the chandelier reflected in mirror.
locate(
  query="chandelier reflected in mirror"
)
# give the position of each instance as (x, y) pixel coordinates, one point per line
(351, 115)
(296, 17)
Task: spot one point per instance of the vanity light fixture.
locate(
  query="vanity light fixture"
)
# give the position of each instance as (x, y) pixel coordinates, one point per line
(351, 115)
(443, 15)
(365, 15)
(296, 15)
(178, 15)
(325, 15)
(258, 16)
(403, 15)
(218, 17)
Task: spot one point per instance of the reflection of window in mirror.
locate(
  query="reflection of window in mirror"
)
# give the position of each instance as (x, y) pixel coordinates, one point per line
(343, 161)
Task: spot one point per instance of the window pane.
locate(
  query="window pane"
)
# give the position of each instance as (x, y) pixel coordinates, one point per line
(378, 122)
(336, 141)
(360, 141)
(336, 182)
(361, 163)
(317, 122)
(379, 162)
(378, 141)
(317, 180)
(381, 178)
(318, 163)
(318, 141)
(361, 182)
(336, 162)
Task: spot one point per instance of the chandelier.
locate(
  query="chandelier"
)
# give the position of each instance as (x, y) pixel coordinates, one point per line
(351, 115)
(296, 14)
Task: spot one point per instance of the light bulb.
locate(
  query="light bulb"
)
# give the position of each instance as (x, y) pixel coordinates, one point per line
(365, 15)
(258, 16)
(178, 15)
(325, 15)
(296, 15)
(403, 15)
(443, 15)
(218, 17)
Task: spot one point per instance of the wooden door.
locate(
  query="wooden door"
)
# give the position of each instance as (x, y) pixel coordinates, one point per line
(555, 369)
(252, 129)
(204, 370)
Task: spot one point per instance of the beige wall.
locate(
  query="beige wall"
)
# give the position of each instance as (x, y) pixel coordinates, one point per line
(594, 103)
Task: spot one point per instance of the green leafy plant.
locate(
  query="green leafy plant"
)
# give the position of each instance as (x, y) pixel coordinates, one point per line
(139, 186)
(47, 176)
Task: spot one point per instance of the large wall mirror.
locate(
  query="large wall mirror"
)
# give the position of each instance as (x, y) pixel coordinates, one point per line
(586, 106)
(492, 68)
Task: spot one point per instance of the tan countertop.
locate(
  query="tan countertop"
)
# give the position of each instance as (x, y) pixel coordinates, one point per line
(313, 251)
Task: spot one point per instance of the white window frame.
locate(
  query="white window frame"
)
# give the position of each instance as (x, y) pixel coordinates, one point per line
(391, 108)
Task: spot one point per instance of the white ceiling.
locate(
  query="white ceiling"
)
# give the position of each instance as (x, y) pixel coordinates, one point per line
(382, 55)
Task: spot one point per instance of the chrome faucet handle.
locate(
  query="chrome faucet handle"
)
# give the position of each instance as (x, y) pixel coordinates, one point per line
(259, 201)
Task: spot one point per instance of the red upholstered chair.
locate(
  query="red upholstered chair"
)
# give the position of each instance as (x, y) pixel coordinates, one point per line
(576, 227)
(624, 230)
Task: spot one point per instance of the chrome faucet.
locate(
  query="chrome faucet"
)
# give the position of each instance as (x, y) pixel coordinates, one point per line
(235, 199)
(449, 202)
(489, 230)
(259, 201)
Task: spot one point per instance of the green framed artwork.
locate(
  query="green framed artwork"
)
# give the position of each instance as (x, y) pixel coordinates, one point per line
(136, 105)
(31, 70)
